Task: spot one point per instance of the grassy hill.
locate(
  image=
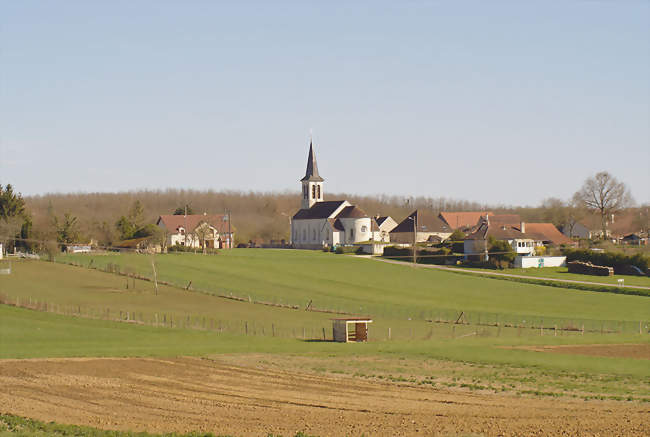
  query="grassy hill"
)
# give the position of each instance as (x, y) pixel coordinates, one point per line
(356, 285)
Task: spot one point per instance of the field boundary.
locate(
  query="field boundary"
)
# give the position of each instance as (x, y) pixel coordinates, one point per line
(551, 282)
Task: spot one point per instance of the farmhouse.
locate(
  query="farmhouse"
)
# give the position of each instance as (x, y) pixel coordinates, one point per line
(521, 242)
(321, 223)
(429, 228)
(197, 230)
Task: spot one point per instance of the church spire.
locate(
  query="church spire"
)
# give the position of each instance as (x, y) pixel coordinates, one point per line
(311, 174)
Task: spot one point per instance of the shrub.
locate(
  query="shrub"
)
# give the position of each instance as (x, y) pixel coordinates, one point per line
(617, 260)
(348, 249)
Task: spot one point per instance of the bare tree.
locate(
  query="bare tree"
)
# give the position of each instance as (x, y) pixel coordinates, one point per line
(204, 232)
(604, 194)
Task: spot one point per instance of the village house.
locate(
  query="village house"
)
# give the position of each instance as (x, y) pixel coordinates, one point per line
(477, 242)
(525, 238)
(320, 223)
(464, 220)
(575, 230)
(427, 228)
(197, 230)
(381, 228)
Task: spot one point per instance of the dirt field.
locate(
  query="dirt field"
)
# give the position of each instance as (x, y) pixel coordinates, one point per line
(638, 351)
(184, 394)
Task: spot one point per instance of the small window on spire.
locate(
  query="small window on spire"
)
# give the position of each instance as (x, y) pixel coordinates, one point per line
(313, 191)
(319, 191)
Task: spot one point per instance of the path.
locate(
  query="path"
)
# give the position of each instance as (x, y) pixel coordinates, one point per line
(487, 272)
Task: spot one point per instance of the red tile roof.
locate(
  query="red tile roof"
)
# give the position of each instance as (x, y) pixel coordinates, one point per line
(466, 219)
(547, 232)
(173, 222)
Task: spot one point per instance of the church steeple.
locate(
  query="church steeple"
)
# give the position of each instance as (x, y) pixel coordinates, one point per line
(311, 174)
(312, 183)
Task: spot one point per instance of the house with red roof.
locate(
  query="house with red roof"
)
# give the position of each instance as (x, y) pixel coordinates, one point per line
(211, 231)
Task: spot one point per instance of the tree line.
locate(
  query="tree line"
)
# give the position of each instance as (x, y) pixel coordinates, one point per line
(108, 218)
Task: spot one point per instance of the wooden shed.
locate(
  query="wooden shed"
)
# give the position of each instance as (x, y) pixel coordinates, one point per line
(347, 330)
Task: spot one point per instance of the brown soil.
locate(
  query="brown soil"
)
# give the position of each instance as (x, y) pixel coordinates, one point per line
(194, 394)
(640, 351)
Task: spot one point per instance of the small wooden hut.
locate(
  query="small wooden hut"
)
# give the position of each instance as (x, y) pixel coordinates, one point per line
(347, 330)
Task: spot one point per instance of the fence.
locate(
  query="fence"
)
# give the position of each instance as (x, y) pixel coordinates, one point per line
(519, 322)
(442, 327)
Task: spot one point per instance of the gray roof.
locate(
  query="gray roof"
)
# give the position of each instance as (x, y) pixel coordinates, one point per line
(319, 210)
(351, 212)
(311, 174)
(426, 222)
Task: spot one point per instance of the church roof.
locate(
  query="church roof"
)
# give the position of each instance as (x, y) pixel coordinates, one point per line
(352, 212)
(311, 174)
(336, 224)
(319, 210)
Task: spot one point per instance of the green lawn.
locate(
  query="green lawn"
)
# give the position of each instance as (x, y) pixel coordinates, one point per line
(383, 290)
(563, 273)
(33, 334)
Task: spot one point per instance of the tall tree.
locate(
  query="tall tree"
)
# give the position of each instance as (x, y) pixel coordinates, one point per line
(13, 216)
(603, 194)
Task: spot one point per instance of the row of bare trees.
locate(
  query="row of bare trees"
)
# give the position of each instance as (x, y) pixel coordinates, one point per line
(261, 216)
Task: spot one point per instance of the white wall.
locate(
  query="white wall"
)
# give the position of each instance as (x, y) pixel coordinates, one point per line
(526, 262)
(361, 228)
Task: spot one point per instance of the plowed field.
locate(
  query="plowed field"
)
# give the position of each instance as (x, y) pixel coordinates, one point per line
(185, 394)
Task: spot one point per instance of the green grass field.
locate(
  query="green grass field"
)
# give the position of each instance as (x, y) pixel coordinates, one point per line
(368, 287)
(462, 354)
(563, 274)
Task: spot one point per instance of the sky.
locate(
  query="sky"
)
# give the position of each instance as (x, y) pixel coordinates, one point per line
(499, 102)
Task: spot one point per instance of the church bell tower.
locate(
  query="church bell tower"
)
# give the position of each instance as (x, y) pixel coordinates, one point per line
(312, 183)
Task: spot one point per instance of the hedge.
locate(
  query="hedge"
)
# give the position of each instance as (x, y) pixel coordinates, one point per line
(619, 261)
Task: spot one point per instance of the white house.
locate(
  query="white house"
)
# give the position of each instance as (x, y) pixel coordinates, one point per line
(320, 223)
(195, 230)
(381, 227)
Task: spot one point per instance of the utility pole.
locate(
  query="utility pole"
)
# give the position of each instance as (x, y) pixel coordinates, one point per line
(229, 233)
(415, 237)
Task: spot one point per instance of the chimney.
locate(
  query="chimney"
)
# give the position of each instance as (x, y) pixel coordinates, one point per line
(523, 228)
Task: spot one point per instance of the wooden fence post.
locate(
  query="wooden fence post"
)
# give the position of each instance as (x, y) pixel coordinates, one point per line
(389, 333)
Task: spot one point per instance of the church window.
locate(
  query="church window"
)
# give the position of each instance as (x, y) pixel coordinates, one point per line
(304, 235)
(352, 234)
(364, 228)
(319, 191)
(313, 191)
(313, 234)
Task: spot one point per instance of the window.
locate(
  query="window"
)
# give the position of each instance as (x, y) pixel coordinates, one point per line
(304, 235)
(304, 191)
(319, 192)
(352, 233)
(313, 191)
(364, 228)
(313, 234)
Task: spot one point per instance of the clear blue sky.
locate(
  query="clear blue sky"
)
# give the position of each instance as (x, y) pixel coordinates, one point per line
(497, 102)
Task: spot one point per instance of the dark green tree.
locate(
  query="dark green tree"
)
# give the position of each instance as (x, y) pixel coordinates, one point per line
(67, 230)
(13, 216)
(181, 210)
(501, 251)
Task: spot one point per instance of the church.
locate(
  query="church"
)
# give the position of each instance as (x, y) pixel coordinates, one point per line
(326, 223)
